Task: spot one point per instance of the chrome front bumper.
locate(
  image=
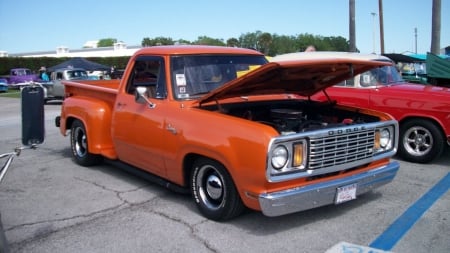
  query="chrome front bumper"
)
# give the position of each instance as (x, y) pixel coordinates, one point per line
(315, 195)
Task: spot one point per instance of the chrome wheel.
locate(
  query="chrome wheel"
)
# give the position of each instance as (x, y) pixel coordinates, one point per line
(213, 190)
(421, 140)
(80, 145)
(80, 148)
(418, 141)
(210, 187)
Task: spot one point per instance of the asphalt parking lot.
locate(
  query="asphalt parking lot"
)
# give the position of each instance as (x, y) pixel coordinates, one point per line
(50, 204)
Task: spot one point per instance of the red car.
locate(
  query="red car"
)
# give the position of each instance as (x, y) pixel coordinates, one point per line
(423, 111)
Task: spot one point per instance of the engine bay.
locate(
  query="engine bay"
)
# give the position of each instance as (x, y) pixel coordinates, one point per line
(289, 117)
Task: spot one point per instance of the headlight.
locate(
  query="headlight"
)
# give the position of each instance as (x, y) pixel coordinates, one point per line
(279, 157)
(287, 159)
(384, 139)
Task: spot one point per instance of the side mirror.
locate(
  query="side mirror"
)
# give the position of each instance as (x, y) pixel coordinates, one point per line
(33, 129)
(141, 96)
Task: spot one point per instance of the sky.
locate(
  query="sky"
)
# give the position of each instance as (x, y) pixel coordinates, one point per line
(44, 25)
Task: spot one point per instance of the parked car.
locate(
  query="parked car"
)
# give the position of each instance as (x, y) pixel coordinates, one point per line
(3, 85)
(54, 90)
(19, 77)
(423, 111)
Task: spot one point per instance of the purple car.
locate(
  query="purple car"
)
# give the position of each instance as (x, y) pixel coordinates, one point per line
(18, 76)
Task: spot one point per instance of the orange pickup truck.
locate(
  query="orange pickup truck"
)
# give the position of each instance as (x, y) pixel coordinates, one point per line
(186, 117)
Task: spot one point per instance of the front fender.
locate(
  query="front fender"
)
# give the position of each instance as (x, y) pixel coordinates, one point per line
(239, 145)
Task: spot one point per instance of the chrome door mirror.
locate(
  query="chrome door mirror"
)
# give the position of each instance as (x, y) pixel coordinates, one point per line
(141, 96)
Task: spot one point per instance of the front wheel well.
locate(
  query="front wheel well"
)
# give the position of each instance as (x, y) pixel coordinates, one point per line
(213, 190)
(421, 139)
(431, 120)
(188, 165)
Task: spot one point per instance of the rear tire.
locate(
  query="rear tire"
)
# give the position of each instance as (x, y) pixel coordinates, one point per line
(80, 147)
(421, 141)
(214, 191)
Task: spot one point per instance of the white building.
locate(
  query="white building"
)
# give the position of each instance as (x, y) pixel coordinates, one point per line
(119, 49)
(91, 44)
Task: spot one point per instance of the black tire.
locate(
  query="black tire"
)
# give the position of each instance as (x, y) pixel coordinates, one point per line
(214, 192)
(421, 141)
(79, 145)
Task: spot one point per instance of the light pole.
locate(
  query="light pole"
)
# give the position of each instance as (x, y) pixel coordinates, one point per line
(373, 15)
(415, 40)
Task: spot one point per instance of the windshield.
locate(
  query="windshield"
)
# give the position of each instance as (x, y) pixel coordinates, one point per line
(196, 75)
(384, 75)
(77, 74)
(22, 72)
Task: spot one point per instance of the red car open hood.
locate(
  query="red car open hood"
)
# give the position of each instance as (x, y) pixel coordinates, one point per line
(304, 77)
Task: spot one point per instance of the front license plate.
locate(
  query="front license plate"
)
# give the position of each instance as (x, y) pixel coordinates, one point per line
(345, 193)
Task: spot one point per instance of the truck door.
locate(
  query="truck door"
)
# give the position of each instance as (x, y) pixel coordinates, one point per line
(137, 130)
(58, 87)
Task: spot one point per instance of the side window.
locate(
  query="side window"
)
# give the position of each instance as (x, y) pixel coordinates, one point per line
(367, 79)
(147, 71)
(347, 83)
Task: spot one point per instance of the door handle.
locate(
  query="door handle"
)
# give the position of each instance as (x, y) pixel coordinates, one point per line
(171, 129)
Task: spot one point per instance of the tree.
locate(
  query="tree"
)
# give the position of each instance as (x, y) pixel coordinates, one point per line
(182, 42)
(335, 44)
(307, 39)
(264, 41)
(249, 40)
(108, 42)
(232, 42)
(282, 44)
(158, 41)
(205, 40)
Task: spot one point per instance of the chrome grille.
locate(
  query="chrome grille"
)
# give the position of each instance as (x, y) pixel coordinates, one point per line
(327, 151)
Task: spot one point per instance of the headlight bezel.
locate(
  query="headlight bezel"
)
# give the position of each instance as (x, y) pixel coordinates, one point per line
(385, 139)
(295, 157)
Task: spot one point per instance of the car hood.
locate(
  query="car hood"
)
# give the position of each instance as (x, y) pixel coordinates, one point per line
(302, 76)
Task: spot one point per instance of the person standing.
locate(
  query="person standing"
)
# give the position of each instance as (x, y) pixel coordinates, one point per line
(44, 75)
(310, 48)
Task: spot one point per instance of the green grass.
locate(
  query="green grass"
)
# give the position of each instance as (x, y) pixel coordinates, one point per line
(10, 94)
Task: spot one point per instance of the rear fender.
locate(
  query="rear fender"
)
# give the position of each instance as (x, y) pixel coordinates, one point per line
(96, 117)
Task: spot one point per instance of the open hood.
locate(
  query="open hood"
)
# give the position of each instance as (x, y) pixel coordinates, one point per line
(302, 76)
